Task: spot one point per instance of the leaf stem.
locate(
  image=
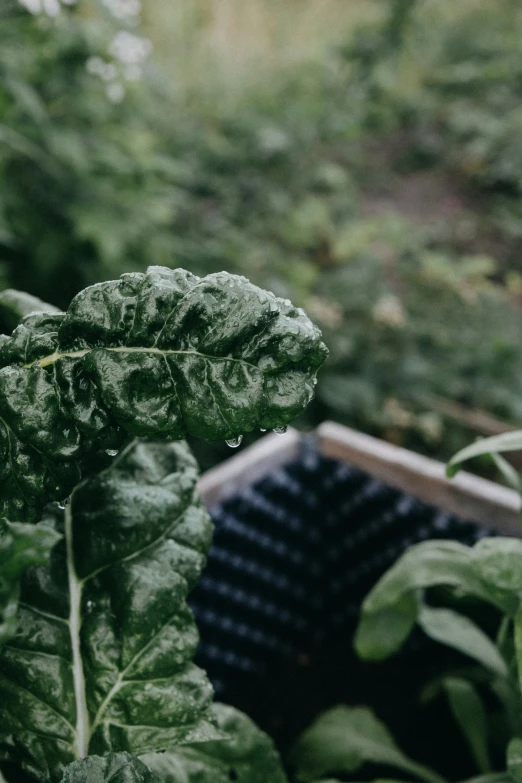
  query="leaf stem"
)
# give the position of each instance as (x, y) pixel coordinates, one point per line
(75, 622)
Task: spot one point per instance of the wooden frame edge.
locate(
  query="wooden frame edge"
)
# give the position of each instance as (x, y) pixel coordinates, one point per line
(467, 496)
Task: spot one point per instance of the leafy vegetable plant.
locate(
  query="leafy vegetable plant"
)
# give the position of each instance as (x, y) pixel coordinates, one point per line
(488, 573)
(96, 637)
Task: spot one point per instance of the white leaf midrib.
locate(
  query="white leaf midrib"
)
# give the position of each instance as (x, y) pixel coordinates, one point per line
(75, 622)
(52, 358)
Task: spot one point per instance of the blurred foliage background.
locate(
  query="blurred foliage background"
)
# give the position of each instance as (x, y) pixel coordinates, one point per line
(362, 157)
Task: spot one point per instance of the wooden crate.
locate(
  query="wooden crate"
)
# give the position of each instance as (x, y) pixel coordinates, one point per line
(467, 496)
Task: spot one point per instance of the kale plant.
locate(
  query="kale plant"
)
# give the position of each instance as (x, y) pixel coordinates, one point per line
(99, 498)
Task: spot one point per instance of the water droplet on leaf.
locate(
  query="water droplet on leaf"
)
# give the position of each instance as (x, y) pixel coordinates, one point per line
(233, 443)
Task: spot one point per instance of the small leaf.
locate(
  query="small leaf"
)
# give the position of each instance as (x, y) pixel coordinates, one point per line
(382, 632)
(457, 631)
(514, 759)
(508, 441)
(246, 756)
(341, 740)
(160, 355)
(469, 713)
(115, 768)
(16, 305)
(102, 658)
(21, 546)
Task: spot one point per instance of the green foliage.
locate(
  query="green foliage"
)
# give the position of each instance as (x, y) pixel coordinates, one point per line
(81, 191)
(246, 756)
(489, 572)
(98, 663)
(102, 657)
(279, 188)
(162, 354)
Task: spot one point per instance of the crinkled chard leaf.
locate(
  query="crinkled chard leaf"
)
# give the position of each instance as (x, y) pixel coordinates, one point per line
(115, 768)
(16, 305)
(246, 756)
(102, 658)
(20, 546)
(162, 355)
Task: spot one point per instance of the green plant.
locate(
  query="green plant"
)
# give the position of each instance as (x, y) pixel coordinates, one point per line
(97, 669)
(292, 186)
(436, 586)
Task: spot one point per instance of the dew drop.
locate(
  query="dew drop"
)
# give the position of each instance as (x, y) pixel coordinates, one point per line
(111, 452)
(281, 430)
(233, 443)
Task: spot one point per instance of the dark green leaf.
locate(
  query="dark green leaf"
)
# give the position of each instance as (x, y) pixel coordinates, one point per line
(343, 739)
(246, 756)
(162, 355)
(16, 305)
(115, 768)
(102, 658)
(469, 712)
(457, 631)
(20, 546)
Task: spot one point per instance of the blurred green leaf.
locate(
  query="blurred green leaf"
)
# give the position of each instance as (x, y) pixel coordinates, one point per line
(343, 739)
(470, 714)
(393, 603)
(459, 632)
